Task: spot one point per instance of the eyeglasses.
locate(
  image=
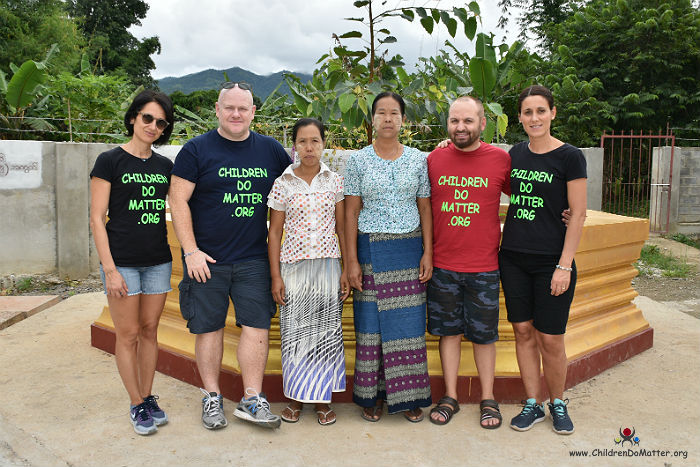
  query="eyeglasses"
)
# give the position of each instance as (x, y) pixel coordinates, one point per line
(161, 124)
(241, 85)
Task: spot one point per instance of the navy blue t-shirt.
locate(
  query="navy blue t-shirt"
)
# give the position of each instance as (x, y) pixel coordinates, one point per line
(538, 186)
(229, 202)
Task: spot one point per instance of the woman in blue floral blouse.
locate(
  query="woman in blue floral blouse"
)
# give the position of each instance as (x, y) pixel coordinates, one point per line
(390, 247)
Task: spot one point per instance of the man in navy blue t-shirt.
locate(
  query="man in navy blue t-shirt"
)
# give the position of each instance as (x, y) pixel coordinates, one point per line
(218, 198)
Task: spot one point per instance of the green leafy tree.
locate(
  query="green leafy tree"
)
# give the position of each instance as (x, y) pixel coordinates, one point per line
(196, 100)
(646, 55)
(88, 107)
(581, 114)
(537, 18)
(105, 24)
(28, 28)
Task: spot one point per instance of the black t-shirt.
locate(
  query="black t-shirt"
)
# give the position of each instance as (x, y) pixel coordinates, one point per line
(136, 227)
(538, 196)
(229, 202)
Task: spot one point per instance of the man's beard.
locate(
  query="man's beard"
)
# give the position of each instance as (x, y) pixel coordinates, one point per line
(471, 139)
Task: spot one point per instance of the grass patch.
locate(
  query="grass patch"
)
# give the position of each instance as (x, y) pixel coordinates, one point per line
(24, 285)
(693, 241)
(653, 261)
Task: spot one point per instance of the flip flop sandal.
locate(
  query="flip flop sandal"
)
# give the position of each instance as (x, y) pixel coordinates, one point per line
(490, 411)
(296, 414)
(325, 415)
(408, 414)
(376, 411)
(446, 407)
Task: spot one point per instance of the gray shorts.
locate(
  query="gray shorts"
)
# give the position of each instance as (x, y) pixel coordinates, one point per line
(464, 303)
(204, 305)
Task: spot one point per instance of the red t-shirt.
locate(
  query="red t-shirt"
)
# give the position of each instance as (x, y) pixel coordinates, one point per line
(465, 196)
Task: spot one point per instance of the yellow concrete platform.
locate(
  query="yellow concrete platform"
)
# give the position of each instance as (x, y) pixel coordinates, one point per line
(602, 313)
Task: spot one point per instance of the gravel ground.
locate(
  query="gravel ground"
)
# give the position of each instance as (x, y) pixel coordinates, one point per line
(668, 289)
(48, 284)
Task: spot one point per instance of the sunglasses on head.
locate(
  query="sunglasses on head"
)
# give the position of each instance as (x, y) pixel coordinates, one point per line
(241, 85)
(161, 124)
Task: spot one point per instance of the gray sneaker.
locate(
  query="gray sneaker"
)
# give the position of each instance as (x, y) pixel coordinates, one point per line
(255, 409)
(213, 416)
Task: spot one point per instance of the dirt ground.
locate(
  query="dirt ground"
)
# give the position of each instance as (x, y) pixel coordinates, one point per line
(66, 406)
(682, 294)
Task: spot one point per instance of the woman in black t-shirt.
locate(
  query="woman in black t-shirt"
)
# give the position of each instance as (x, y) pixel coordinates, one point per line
(536, 261)
(130, 183)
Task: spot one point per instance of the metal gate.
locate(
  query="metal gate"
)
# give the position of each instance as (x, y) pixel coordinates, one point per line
(637, 176)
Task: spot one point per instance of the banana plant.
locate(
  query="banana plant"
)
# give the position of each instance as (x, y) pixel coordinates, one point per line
(24, 91)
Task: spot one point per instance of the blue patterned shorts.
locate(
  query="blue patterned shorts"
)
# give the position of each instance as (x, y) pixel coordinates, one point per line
(464, 303)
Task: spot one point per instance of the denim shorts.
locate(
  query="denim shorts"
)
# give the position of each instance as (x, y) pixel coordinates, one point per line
(464, 303)
(147, 280)
(204, 305)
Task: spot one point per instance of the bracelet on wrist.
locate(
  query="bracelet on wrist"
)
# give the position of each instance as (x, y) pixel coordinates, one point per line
(191, 253)
(563, 268)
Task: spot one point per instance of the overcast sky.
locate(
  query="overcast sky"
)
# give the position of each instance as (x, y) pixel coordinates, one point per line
(266, 36)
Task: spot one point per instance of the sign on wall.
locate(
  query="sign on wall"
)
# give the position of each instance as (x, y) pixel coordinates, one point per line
(20, 164)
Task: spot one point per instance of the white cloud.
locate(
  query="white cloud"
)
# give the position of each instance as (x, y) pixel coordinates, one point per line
(269, 36)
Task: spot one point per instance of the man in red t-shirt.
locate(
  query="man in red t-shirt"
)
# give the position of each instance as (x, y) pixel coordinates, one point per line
(466, 180)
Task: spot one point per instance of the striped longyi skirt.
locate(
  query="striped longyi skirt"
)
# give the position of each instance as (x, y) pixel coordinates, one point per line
(390, 315)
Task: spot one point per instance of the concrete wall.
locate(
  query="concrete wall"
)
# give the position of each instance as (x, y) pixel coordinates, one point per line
(27, 207)
(689, 191)
(683, 188)
(44, 203)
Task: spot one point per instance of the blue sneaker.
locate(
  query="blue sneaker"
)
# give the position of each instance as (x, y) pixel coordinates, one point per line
(156, 412)
(561, 423)
(142, 420)
(531, 413)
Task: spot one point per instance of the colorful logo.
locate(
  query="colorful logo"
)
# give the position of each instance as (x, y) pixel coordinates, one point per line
(627, 435)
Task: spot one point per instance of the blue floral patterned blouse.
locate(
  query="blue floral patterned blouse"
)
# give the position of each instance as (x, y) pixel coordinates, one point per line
(388, 189)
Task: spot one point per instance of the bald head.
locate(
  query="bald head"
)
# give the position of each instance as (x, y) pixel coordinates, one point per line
(235, 111)
(236, 91)
(469, 100)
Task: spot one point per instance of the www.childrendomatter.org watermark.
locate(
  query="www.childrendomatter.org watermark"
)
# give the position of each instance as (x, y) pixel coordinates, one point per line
(630, 437)
(629, 452)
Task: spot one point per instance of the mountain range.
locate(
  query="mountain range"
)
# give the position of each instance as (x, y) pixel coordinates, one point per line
(212, 79)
